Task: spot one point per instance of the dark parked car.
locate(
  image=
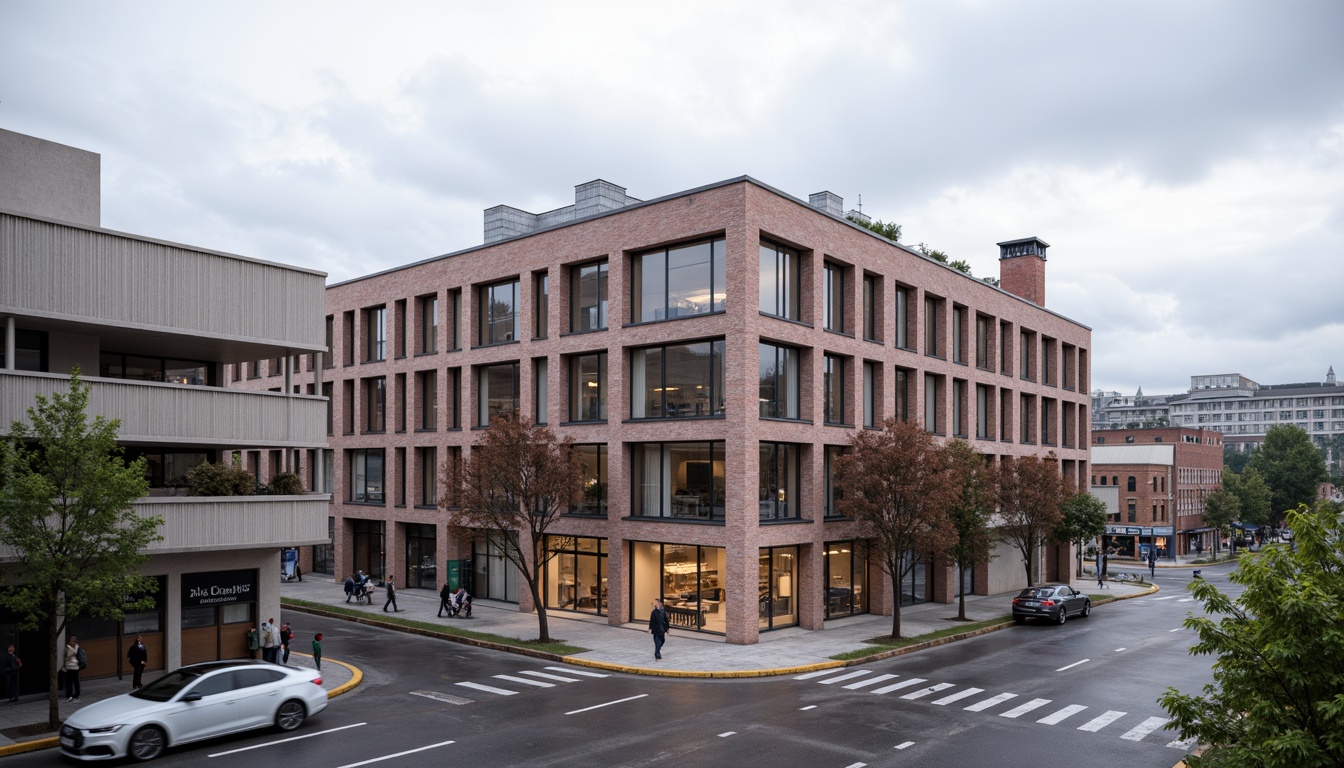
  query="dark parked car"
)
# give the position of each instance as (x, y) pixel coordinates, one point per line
(1055, 602)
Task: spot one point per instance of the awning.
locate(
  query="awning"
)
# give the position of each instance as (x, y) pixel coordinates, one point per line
(1246, 526)
(1195, 530)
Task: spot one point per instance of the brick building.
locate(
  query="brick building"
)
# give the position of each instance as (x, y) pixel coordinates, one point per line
(706, 350)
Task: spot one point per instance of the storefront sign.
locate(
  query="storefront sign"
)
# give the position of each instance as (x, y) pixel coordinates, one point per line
(219, 587)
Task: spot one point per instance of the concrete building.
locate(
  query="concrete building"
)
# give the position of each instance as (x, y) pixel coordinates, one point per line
(152, 325)
(1154, 482)
(1112, 410)
(711, 352)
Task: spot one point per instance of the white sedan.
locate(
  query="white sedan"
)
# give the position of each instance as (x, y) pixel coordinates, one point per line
(201, 701)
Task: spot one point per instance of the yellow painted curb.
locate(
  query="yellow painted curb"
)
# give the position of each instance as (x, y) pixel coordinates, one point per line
(27, 746)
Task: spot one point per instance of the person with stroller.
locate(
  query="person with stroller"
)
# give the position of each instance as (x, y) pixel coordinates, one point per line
(461, 604)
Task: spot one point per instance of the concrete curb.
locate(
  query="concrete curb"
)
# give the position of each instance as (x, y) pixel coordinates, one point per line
(28, 746)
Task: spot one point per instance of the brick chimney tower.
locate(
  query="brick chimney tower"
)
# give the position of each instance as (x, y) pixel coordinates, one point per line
(1022, 268)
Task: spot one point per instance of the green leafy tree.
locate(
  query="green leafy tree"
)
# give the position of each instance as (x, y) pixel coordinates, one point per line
(66, 510)
(1291, 466)
(1253, 496)
(1234, 459)
(1277, 696)
(1083, 519)
(888, 229)
(972, 514)
(961, 265)
(1031, 493)
(1221, 510)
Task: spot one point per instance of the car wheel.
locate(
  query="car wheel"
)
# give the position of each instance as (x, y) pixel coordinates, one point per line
(1063, 615)
(1087, 609)
(290, 715)
(146, 743)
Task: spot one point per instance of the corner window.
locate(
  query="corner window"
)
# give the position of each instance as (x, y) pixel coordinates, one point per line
(779, 281)
(778, 390)
(677, 381)
(588, 297)
(681, 281)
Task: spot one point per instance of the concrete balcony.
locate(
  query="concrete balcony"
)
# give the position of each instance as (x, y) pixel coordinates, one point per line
(172, 414)
(204, 524)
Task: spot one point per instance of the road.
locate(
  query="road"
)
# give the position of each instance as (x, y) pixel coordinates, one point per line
(1038, 695)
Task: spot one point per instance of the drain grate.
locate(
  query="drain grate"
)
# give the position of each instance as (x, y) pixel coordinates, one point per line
(446, 698)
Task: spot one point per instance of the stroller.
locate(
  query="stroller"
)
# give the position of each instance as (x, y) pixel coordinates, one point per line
(461, 606)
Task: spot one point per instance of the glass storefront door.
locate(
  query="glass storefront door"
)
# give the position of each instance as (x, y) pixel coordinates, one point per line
(422, 569)
(576, 574)
(493, 575)
(690, 579)
(846, 579)
(368, 550)
(778, 573)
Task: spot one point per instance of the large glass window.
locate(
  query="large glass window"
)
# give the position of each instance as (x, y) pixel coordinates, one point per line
(870, 388)
(901, 298)
(422, 571)
(429, 324)
(982, 341)
(832, 492)
(493, 575)
(375, 334)
(778, 488)
(375, 404)
(932, 402)
(677, 480)
(30, 351)
(588, 297)
(779, 281)
(778, 391)
(499, 313)
(691, 579)
(427, 391)
(677, 381)
(588, 387)
(576, 574)
(542, 299)
(872, 307)
(427, 467)
(498, 392)
(366, 474)
(833, 397)
(846, 579)
(932, 308)
(114, 365)
(776, 581)
(679, 281)
(593, 465)
(833, 298)
(905, 383)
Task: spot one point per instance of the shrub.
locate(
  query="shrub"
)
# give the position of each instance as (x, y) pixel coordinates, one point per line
(285, 484)
(220, 480)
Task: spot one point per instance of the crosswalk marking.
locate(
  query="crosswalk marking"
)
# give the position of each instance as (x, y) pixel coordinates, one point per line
(1143, 729)
(1101, 721)
(525, 681)
(847, 676)
(577, 672)
(488, 689)
(922, 692)
(958, 696)
(549, 676)
(868, 682)
(818, 673)
(1023, 709)
(898, 686)
(1062, 715)
(990, 702)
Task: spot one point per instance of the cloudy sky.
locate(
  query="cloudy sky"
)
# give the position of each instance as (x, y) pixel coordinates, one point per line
(1184, 160)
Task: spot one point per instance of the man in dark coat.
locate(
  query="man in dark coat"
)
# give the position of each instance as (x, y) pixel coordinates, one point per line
(138, 656)
(658, 626)
(391, 597)
(9, 667)
(445, 600)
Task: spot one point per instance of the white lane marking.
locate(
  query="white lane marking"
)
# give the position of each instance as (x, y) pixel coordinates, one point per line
(283, 741)
(568, 671)
(922, 692)
(726, 734)
(856, 765)
(548, 676)
(818, 673)
(1178, 629)
(399, 754)
(446, 698)
(1186, 600)
(809, 706)
(1121, 648)
(905, 744)
(1168, 597)
(1101, 721)
(847, 676)
(900, 685)
(958, 696)
(608, 704)
(868, 682)
(487, 689)
(1023, 709)
(1074, 664)
(991, 701)
(1143, 729)
(525, 681)
(1184, 743)
(1062, 715)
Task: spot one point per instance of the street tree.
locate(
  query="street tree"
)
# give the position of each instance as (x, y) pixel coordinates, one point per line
(1292, 467)
(1221, 510)
(1083, 518)
(971, 514)
(66, 511)
(1031, 494)
(517, 481)
(1254, 498)
(1277, 696)
(898, 490)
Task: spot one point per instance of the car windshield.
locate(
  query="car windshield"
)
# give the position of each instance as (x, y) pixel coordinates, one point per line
(168, 686)
(1038, 592)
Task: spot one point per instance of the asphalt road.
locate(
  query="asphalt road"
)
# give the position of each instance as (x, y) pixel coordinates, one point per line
(1040, 695)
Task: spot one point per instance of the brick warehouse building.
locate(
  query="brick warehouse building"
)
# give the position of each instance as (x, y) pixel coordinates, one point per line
(630, 327)
(1154, 481)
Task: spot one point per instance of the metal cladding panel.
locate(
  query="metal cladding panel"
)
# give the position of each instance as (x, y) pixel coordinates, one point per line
(237, 522)
(108, 278)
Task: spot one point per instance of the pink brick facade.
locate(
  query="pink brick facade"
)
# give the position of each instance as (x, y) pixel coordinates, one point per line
(981, 340)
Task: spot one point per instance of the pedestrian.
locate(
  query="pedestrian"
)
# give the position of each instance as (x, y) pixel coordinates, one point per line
(75, 660)
(298, 571)
(658, 625)
(445, 600)
(1101, 571)
(349, 588)
(317, 651)
(270, 641)
(1152, 563)
(138, 656)
(10, 664)
(391, 598)
(253, 642)
(286, 634)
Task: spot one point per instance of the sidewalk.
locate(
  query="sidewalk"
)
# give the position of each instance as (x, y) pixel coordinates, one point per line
(629, 648)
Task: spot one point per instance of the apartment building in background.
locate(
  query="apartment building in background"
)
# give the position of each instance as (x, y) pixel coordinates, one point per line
(710, 352)
(152, 325)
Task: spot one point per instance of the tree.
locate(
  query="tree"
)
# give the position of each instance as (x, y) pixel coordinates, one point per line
(972, 513)
(66, 510)
(961, 265)
(1253, 496)
(1030, 495)
(890, 230)
(1221, 510)
(1291, 466)
(1277, 696)
(1083, 517)
(516, 483)
(898, 490)
(1234, 459)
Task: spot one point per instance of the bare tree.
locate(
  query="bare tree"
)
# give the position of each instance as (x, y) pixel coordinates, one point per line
(898, 489)
(516, 483)
(1031, 494)
(972, 513)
